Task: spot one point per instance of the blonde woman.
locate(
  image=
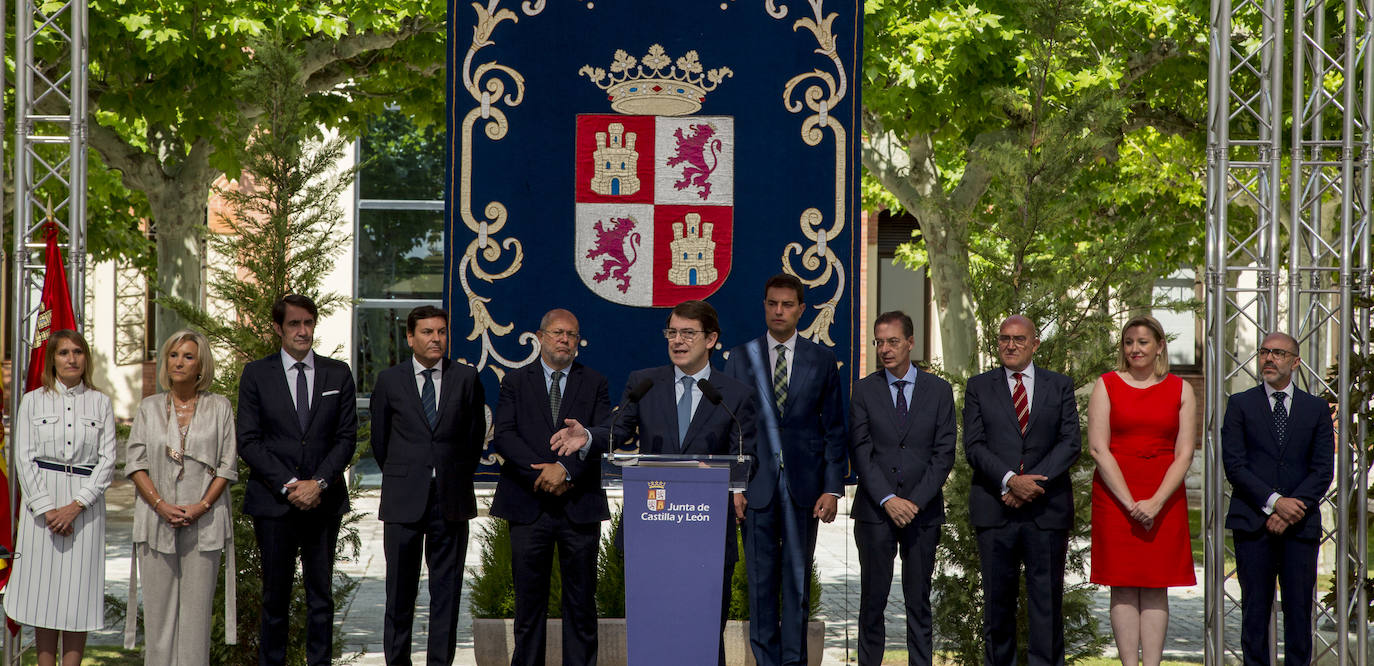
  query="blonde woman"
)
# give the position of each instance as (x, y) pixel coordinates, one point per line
(181, 456)
(1141, 429)
(65, 455)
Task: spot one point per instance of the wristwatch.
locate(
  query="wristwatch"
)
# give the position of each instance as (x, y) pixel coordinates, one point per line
(323, 484)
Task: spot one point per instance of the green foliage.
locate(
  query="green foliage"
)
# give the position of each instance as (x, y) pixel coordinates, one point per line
(610, 573)
(491, 586)
(283, 238)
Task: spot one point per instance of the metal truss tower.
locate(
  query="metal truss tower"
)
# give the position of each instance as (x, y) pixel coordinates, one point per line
(49, 172)
(1287, 245)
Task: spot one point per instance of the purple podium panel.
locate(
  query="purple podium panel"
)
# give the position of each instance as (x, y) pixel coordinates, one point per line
(674, 562)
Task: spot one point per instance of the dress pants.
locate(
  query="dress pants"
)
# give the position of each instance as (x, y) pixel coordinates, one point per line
(532, 548)
(1002, 551)
(313, 536)
(775, 553)
(178, 592)
(1261, 558)
(878, 544)
(444, 544)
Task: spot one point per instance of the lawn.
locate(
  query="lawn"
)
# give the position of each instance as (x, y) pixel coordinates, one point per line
(98, 655)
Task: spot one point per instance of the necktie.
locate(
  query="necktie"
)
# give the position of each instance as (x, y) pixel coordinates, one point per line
(901, 399)
(780, 378)
(427, 399)
(1280, 418)
(1019, 401)
(302, 396)
(555, 396)
(684, 410)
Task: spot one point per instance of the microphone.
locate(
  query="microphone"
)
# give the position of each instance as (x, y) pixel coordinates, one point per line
(710, 392)
(631, 397)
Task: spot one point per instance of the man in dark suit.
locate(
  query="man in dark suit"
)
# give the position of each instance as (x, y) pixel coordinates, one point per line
(551, 499)
(1021, 438)
(903, 456)
(800, 474)
(674, 416)
(1278, 451)
(428, 428)
(297, 430)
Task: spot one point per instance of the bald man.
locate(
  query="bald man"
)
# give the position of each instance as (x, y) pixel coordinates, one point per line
(551, 499)
(1021, 437)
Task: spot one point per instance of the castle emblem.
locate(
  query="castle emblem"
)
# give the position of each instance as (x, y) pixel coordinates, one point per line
(654, 195)
(658, 495)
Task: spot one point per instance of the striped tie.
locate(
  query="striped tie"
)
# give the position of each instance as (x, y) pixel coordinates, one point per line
(780, 378)
(1018, 400)
(427, 400)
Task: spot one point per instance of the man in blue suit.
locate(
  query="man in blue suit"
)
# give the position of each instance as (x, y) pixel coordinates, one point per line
(674, 416)
(901, 437)
(1278, 451)
(551, 500)
(1021, 438)
(801, 467)
(297, 430)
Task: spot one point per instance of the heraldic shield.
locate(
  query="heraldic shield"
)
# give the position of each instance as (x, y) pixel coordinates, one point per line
(655, 206)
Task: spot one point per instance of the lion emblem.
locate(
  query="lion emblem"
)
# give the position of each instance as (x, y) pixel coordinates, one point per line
(611, 242)
(692, 150)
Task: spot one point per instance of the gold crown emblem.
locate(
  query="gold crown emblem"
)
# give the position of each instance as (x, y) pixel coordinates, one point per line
(656, 484)
(645, 88)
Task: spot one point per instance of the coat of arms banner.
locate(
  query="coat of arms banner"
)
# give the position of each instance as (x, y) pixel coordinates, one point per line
(617, 157)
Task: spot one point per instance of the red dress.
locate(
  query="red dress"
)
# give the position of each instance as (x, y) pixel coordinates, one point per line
(1144, 425)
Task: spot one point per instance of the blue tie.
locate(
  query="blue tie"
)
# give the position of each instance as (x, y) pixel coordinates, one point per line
(1280, 418)
(684, 410)
(427, 399)
(302, 396)
(901, 399)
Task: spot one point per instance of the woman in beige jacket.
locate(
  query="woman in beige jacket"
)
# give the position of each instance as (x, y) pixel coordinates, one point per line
(181, 457)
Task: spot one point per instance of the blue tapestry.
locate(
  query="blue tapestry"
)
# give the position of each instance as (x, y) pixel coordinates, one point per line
(617, 157)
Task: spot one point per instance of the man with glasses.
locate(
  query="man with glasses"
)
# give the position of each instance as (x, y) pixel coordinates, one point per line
(902, 445)
(1278, 451)
(800, 474)
(674, 417)
(1021, 438)
(550, 499)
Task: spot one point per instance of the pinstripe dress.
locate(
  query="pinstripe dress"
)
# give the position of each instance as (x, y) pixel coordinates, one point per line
(59, 581)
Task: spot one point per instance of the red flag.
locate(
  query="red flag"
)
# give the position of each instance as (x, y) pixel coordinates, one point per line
(54, 314)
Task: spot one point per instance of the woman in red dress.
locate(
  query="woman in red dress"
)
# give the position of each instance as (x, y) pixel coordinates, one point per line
(1141, 429)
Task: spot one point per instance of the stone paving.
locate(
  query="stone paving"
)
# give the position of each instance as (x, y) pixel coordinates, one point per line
(360, 620)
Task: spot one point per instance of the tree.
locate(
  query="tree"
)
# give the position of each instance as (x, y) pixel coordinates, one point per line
(283, 239)
(968, 107)
(166, 116)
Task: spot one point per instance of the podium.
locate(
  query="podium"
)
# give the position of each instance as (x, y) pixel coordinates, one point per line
(675, 516)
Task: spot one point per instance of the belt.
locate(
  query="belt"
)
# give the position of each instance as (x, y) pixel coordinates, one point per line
(79, 470)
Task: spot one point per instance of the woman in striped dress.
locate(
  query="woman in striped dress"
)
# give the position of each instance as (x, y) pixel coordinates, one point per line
(65, 457)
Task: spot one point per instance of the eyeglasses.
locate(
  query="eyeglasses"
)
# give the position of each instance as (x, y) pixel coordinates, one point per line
(572, 335)
(890, 342)
(688, 334)
(1007, 340)
(1280, 354)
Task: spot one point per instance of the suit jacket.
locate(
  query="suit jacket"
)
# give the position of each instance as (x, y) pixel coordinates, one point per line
(1257, 465)
(271, 442)
(908, 460)
(994, 445)
(410, 453)
(811, 426)
(523, 428)
(654, 420)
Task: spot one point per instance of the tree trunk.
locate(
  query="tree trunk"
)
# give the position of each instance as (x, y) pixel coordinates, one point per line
(179, 222)
(951, 284)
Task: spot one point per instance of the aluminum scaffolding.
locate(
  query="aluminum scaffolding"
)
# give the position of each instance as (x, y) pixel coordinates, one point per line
(1288, 250)
(49, 175)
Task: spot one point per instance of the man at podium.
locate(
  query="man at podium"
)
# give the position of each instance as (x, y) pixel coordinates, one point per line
(674, 415)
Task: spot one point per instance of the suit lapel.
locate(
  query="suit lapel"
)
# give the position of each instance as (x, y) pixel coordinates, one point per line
(1038, 391)
(700, 416)
(1002, 390)
(316, 391)
(570, 390)
(283, 384)
(447, 390)
(412, 391)
(803, 366)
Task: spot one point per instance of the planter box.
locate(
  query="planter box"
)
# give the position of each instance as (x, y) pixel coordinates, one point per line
(494, 642)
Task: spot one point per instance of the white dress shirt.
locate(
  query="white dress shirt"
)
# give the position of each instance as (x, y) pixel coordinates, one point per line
(790, 344)
(678, 374)
(287, 362)
(910, 379)
(420, 377)
(1269, 392)
(1027, 383)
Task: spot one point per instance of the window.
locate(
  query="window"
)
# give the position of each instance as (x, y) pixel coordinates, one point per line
(399, 238)
(1176, 300)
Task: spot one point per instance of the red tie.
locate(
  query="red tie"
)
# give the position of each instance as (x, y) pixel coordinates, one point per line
(1019, 401)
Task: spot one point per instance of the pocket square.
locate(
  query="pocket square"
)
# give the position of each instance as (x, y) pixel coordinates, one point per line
(329, 393)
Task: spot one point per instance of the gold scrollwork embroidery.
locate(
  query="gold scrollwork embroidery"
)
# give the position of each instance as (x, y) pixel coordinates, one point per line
(824, 94)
